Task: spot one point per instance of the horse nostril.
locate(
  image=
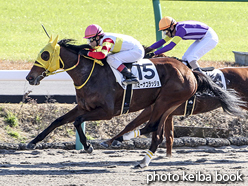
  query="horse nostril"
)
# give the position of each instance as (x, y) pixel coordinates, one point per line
(29, 78)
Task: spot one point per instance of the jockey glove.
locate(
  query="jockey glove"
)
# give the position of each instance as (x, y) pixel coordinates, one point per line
(83, 52)
(149, 55)
(148, 50)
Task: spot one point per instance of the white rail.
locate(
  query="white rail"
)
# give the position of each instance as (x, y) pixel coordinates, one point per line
(20, 75)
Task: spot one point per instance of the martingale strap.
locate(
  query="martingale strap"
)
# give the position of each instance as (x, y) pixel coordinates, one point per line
(99, 62)
(127, 95)
(189, 106)
(94, 62)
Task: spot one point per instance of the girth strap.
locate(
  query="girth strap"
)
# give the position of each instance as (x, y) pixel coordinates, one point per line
(189, 106)
(127, 95)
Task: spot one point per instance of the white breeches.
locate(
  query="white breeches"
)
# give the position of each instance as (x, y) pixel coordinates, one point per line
(127, 56)
(201, 47)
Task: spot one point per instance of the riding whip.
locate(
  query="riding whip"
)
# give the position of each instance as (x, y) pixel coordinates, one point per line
(45, 30)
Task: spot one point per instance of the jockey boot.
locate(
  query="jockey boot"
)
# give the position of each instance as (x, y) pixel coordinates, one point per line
(130, 78)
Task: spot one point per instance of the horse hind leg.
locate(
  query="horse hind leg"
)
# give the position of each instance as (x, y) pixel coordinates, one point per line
(159, 114)
(169, 134)
(150, 127)
(125, 134)
(168, 131)
(157, 138)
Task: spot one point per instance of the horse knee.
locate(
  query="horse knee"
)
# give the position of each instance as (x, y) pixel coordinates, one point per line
(77, 122)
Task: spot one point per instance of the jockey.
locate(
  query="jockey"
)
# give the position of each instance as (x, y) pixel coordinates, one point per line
(123, 48)
(204, 36)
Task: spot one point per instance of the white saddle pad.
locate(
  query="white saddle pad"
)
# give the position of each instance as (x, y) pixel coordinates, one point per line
(218, 77)
(146, 73)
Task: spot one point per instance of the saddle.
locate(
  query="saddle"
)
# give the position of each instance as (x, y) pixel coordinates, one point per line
(205, 69)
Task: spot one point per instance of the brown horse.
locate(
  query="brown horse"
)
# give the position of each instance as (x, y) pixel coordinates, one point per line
(99, 96)
(236, 78)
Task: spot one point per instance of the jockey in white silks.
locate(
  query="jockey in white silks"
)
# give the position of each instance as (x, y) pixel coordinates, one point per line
(118, 49)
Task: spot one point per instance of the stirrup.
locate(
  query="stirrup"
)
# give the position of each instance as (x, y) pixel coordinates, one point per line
(130, 81)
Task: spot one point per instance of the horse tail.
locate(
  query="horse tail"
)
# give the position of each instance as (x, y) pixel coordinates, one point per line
(229, 99)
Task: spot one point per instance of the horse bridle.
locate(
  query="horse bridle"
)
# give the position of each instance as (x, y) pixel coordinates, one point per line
(44, 74)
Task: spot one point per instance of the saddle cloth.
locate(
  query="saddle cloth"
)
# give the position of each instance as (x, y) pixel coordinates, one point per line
(218, 77)
(146, 73)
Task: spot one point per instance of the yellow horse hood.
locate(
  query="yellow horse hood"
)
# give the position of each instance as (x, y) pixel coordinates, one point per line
(53, 63)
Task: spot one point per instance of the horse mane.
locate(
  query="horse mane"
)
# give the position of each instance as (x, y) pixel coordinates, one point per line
(70, 44)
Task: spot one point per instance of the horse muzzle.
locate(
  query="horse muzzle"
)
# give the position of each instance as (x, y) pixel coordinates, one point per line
(34, 81)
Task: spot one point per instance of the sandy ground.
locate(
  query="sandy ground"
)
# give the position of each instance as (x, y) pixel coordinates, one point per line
(188, 166)
(202, 165)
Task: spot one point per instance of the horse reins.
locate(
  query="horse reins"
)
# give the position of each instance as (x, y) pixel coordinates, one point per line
(74, 66)
(47, 73)
(81, 86)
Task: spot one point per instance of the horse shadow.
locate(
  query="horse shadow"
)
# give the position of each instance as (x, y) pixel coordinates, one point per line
(62, 168)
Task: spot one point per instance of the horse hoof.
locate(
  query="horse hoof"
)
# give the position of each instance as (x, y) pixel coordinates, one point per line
(140, 166)
(90, 149)
(31, 146)
(168, 155)
(104, 144)
(116, 144)
(137, 166)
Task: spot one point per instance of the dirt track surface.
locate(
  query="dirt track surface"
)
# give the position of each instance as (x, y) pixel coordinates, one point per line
(116, 167)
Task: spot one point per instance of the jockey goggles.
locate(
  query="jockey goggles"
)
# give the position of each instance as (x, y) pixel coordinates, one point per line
(90, 40)
(166, 31)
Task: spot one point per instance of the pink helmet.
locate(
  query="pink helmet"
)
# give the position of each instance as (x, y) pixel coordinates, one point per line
(93, 30)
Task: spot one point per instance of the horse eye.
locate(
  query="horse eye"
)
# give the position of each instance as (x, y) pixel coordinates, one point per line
(45, 56)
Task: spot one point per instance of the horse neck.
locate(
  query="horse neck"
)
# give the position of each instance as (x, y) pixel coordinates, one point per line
(81, 72)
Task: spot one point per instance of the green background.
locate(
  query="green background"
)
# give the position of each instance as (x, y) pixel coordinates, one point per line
(22, 36)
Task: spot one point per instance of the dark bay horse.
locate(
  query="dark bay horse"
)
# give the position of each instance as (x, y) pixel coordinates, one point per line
(236, 78)
(99, 96)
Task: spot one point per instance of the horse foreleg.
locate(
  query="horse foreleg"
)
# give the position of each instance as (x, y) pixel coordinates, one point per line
(169, 134)
(93, 115)
(123, 136)
(87, 147)
(67, 118)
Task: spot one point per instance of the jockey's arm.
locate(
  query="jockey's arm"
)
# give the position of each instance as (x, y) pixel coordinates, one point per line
(106, 46)
(170, 46)
(160, 43)
(176, 39)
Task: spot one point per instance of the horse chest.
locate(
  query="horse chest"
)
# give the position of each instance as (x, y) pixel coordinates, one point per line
(89, 103)
(84, 104)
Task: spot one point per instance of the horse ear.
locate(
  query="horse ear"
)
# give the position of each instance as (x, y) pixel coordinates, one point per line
(55, 41)
(51, 39)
